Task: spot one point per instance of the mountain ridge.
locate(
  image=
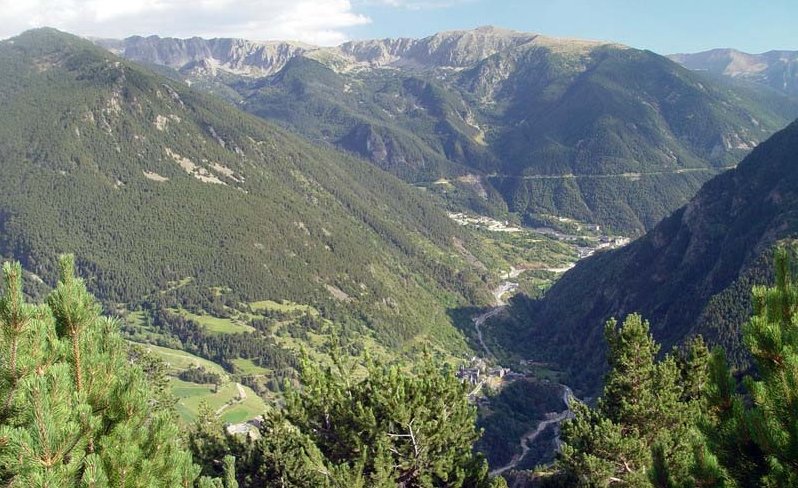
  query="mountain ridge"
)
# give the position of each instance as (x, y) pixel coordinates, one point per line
(456, 49)
(777, 69)
(486, 117)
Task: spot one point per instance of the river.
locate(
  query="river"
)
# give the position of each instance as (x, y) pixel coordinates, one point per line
(531, 435)
(479, 320)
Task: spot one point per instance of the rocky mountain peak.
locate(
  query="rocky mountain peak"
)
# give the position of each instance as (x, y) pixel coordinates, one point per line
(776, 69)
(453, 49)
(239, 56)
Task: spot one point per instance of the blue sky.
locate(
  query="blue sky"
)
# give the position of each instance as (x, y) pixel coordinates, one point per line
(662, 26)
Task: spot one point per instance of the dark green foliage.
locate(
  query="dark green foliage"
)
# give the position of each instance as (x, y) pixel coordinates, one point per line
(755, 433)
(643, 430)
(690, 275)
(412, 428)
(199, 375)
(392, 427)
(77, 407)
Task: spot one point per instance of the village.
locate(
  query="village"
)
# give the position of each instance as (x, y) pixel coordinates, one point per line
(480, 375)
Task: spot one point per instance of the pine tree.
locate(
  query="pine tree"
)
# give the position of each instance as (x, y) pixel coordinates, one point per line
(755, 436)
(423, 419)
(630, 396)
(392, 426)
(643, 430)
(76, 410)
(209, 442)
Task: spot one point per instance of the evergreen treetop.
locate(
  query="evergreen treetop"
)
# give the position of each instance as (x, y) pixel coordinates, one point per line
(77, 410)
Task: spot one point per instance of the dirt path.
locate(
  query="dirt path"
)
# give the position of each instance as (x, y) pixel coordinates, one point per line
(242, 395)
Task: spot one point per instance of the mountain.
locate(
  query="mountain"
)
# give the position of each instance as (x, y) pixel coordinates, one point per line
(173, 200)
(236, 56)
(456, 49)
(497, 120)
(691, 274)
(775, 69)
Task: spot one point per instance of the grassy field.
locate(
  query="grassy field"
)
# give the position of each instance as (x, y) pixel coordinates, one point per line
(226, 401)
(284, 306)
(246, 366)
(180, 361)
(217, 325)
(135, 318)
(174, 285)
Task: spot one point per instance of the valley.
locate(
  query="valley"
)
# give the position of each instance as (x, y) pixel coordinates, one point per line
(532, 259)
(583, 240)
(478, 258)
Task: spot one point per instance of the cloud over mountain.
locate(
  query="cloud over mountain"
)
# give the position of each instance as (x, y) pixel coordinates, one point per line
(315, 21)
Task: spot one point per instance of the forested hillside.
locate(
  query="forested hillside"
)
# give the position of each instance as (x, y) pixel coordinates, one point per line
(173, 200)
(81, 407)
(497, 120)
(692, 274)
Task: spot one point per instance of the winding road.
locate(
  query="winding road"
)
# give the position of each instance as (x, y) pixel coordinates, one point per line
(530, 436)
(242, 395)
(629, 174)
(479, 321)
(499, 304)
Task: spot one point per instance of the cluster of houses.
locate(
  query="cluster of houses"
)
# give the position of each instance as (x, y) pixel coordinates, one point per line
(484, 222)
(250, 428)
(478, 372)
(605, 242)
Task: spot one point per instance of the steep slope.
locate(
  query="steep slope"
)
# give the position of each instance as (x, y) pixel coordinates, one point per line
(775, 69)
(691, 274)
(405, 124)
(503, 120)
(158, 188)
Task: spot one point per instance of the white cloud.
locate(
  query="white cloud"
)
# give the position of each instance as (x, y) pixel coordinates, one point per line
(417, 4)
(313, 21)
